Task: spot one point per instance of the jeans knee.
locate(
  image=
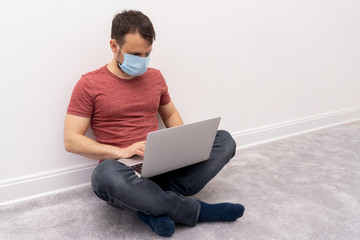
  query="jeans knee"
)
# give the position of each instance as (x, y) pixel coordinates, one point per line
(102, 177)
(228, 143)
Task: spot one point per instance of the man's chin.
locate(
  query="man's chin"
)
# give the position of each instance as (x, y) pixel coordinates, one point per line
(126, 76)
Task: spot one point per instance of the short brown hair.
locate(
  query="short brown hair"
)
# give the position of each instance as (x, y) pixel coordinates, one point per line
(131, 21)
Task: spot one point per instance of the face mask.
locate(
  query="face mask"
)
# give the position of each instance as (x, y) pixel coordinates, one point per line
(134, 65)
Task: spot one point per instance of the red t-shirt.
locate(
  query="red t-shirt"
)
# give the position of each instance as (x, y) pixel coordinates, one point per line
(122, 111)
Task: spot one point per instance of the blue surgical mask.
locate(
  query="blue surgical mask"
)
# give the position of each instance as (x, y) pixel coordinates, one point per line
(134, 65)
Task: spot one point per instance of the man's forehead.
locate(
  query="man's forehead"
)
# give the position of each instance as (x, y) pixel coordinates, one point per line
(135, 42)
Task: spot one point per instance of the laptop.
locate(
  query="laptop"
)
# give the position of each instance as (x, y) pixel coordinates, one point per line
(172, 148)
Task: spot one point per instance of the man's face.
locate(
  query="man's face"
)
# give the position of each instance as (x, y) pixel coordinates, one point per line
(134, 45)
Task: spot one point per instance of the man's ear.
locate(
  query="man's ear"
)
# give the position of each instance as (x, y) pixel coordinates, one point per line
(113, 46)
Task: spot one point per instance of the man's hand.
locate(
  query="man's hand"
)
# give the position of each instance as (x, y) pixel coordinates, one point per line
(137, 148)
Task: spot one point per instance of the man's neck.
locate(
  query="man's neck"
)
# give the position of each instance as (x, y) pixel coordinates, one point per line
(114, 68)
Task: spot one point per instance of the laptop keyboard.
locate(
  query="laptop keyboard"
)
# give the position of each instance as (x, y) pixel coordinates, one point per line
(137, 167)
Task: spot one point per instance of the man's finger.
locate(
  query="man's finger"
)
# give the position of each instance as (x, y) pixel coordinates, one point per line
(139, 152)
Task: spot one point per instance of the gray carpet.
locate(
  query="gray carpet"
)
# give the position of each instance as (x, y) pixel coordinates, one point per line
(304, 187)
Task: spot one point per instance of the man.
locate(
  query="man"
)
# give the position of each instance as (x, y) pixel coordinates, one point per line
(121, 101)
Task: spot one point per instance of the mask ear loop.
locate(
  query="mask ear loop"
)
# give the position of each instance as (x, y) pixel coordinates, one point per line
(120, 48)
(117, 56)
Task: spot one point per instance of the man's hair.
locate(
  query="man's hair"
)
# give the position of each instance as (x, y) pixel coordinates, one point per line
(132, 21)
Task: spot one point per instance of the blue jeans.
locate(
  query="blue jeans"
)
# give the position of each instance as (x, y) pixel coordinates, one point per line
(165, 194)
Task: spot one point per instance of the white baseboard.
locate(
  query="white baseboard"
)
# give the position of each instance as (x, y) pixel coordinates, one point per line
(20, 189)
(251, 137)
(25, 188)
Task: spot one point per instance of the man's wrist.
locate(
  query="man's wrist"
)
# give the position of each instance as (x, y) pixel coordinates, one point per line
(119, 153)
(114, 152)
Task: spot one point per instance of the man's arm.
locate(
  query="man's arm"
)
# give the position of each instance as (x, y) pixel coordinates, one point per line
(170, 115)
(75, 141)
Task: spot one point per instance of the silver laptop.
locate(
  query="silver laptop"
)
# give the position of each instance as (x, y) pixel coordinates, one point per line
(172, 148)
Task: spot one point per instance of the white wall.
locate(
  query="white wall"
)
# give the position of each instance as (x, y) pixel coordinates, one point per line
(255, 63)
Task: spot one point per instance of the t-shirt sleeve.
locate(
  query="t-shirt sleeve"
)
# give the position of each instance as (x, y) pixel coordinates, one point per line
(165, 96)
(81, 102)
